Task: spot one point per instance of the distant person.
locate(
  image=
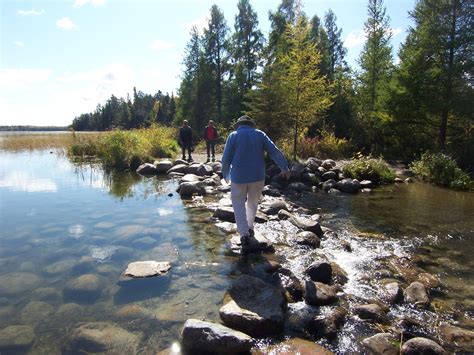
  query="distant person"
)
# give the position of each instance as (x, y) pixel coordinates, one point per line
(186, 140)
(243, 164)
(210, 136)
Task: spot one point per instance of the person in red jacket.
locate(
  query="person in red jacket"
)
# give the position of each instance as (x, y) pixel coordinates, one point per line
(210, 136)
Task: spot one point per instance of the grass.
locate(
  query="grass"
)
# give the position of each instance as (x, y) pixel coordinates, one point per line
(368, 168)
(42, 141)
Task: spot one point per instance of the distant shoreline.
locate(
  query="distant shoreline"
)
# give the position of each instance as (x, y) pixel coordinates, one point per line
(33, 128)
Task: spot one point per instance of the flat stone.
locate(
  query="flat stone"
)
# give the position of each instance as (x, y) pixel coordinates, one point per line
(306, 224)
(259, 243)
(202, 336)
(417, 346)
(382, 343)
(146, 169)
(307, 238)
(102, 337)
(226, 213)
(16, 339)
(149, 268)
(254, 307)
(162, 166)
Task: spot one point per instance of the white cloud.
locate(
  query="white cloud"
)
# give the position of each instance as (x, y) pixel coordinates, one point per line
(19, 78)
(66, 24)
(160, 45)
(81, 3)
(18, 44)
(395, 31)
(355, 38)
(200, 24)
(31, 12)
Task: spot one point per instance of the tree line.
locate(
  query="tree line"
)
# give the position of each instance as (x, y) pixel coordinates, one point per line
(297, 83)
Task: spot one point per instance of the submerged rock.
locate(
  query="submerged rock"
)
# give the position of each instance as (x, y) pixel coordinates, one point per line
(382, 343)
(254, 307)
(18, 282)
(102, 337)
(35, 312)
(417, 346)
(319, 294)
(293, 346)
(16, 339)
(201, 336)
(83, 289)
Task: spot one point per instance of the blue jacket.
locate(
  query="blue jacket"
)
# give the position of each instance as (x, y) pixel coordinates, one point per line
(243, 158)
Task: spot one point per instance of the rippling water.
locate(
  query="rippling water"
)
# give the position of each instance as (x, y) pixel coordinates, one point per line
(61, 220)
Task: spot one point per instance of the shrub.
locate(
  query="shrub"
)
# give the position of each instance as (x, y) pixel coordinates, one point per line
(367, 168)
(441, 169)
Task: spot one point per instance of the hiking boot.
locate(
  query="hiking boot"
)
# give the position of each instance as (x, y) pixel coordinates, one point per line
(244, 241)
(251, 233)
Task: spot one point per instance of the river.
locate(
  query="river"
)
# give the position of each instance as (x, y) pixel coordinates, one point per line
(61, 220)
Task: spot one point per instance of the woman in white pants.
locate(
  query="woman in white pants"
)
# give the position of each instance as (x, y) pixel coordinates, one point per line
(244, 165)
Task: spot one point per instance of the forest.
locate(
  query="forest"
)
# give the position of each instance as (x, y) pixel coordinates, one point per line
(299, 88)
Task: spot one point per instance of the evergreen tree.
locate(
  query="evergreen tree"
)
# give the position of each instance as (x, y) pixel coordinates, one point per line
(215, 48)
(335, 46)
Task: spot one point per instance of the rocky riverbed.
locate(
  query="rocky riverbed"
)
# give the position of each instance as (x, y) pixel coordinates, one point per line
(293, 294)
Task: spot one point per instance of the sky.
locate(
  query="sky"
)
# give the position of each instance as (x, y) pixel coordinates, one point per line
(61, 58)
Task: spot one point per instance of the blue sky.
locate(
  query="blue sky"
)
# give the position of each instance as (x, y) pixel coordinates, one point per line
(61, 58)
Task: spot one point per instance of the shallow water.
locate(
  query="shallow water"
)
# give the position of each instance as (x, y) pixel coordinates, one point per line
(61, 220)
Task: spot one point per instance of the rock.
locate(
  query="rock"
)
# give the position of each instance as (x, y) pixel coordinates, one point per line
(48, 294)
(102, 337)
(319, 294)
(227, 214)
(35, 312)
(259, 243)
(366, 184)
(16, 339)
(199, 169)
(307, 238)
(382, 343)
(416, 294)
(293, 346)
(146, 169)
(327, 326)
(275, 207)
(408, 180)
(188, 189)
(329, 175)
(83, 289)
(392, 293)
(339, 275)
(18, 282)
(179, 168)
(348, 185)
(270, 191)
(328, 164)
(162, 166)
(372, 312)
(298, 187)
(328, 185)
(292, 285)
(463, 338)
(190, 178)
(310, 179)
(420, 346)
(134, 311)
(144, 269)
(313, 164)
(303, 223)
(399, 180)
(60, 267)
(254, 307)
(320, 271)
(201, 336)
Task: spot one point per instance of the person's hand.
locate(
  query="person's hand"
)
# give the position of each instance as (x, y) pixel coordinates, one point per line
(285, 174)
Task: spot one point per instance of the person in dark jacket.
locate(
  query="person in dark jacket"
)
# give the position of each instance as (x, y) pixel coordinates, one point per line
(186, 140)
(210, 136)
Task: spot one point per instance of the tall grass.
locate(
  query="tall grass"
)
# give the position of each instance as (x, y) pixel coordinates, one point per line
(42, 141)
(128, 149)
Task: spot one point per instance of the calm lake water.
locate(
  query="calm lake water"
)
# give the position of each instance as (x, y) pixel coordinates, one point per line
(60, 221)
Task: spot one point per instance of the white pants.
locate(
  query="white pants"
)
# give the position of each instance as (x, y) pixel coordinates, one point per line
(245, 202)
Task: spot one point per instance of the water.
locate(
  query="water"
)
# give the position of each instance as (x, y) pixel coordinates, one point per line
(60, 221)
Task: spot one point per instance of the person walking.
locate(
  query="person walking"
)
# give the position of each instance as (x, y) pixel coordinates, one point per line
(186, 140)
(244, 165)
(210, 136)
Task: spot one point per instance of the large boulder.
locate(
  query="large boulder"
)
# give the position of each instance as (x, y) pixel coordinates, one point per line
(292, 285)
(348, 185)
(319, 294)
(190, 178)
(416, 294)
(162, 166)
(16, 339)
(320, 271)
(328, 185)
(254, 307)
(313, 164)
(201, 336)
(102, 337)
(329, 175)
(382, 343)
(83, 289)
(421, 346)
(257, 243)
